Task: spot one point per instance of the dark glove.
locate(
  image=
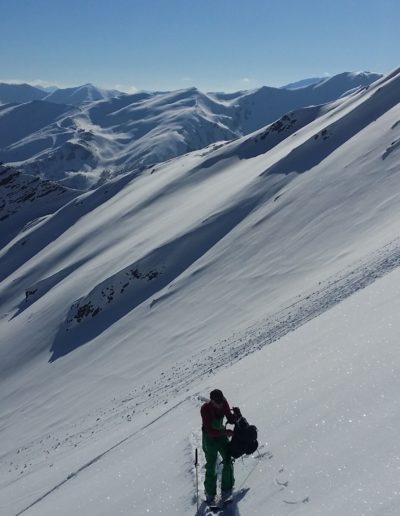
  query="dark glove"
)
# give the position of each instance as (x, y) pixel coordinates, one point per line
(236, 411)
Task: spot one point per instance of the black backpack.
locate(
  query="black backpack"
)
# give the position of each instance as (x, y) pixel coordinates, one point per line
(244, 440)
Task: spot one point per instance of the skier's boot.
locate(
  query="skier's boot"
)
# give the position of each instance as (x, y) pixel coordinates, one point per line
(211, 500)
(226, 495)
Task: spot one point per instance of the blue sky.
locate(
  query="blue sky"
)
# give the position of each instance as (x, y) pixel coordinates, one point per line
(212, 44)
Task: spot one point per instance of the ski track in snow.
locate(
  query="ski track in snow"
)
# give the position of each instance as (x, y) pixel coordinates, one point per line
(182, 376)
(245, 468)
(308, 306)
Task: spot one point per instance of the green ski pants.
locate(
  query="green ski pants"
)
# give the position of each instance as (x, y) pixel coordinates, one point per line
(211, 447)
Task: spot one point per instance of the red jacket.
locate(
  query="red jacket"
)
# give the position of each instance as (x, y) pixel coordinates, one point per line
(212, 417)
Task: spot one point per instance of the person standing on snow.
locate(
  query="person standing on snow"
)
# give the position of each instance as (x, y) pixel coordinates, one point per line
(215, 440)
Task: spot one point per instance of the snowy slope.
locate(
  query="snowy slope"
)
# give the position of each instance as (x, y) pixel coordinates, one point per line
(102, 138)
(19, 121)
(148, 285)
(324, 399)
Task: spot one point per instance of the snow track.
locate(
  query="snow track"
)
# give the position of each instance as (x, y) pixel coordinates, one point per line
(308, 306)
(97, 458)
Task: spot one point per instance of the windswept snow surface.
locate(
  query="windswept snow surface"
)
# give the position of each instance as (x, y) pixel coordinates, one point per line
(148, 291)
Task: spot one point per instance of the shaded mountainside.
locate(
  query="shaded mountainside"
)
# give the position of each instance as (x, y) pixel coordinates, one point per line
(17, 93)
(85, 144)
(24, 199)
(18, 122)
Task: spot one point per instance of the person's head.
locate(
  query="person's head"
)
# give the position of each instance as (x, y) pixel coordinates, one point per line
(216, 397)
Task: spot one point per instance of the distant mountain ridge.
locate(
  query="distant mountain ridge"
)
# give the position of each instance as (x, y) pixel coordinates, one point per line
(81, 94)
(92, 134)
(77, 95)
(15, 93)
(302, 83)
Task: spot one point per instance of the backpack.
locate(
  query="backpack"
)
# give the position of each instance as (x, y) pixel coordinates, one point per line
(244, 440)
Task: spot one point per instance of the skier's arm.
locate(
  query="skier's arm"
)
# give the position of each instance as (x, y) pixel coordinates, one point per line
(230, 416)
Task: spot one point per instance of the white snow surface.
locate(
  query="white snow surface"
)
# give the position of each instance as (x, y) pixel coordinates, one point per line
(267, 267)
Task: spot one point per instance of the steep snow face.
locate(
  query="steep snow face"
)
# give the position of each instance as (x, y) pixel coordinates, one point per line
(135, 131)
(125, 301)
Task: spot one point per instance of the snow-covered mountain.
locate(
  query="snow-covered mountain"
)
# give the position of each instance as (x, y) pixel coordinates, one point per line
(48, 89)
(17, 93)
(266, 104)
(303, 82)
(82, 144)
(126, 305)
(358, 79)
(77, 96)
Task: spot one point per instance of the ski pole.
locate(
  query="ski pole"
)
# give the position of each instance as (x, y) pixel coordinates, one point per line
(196, 463)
